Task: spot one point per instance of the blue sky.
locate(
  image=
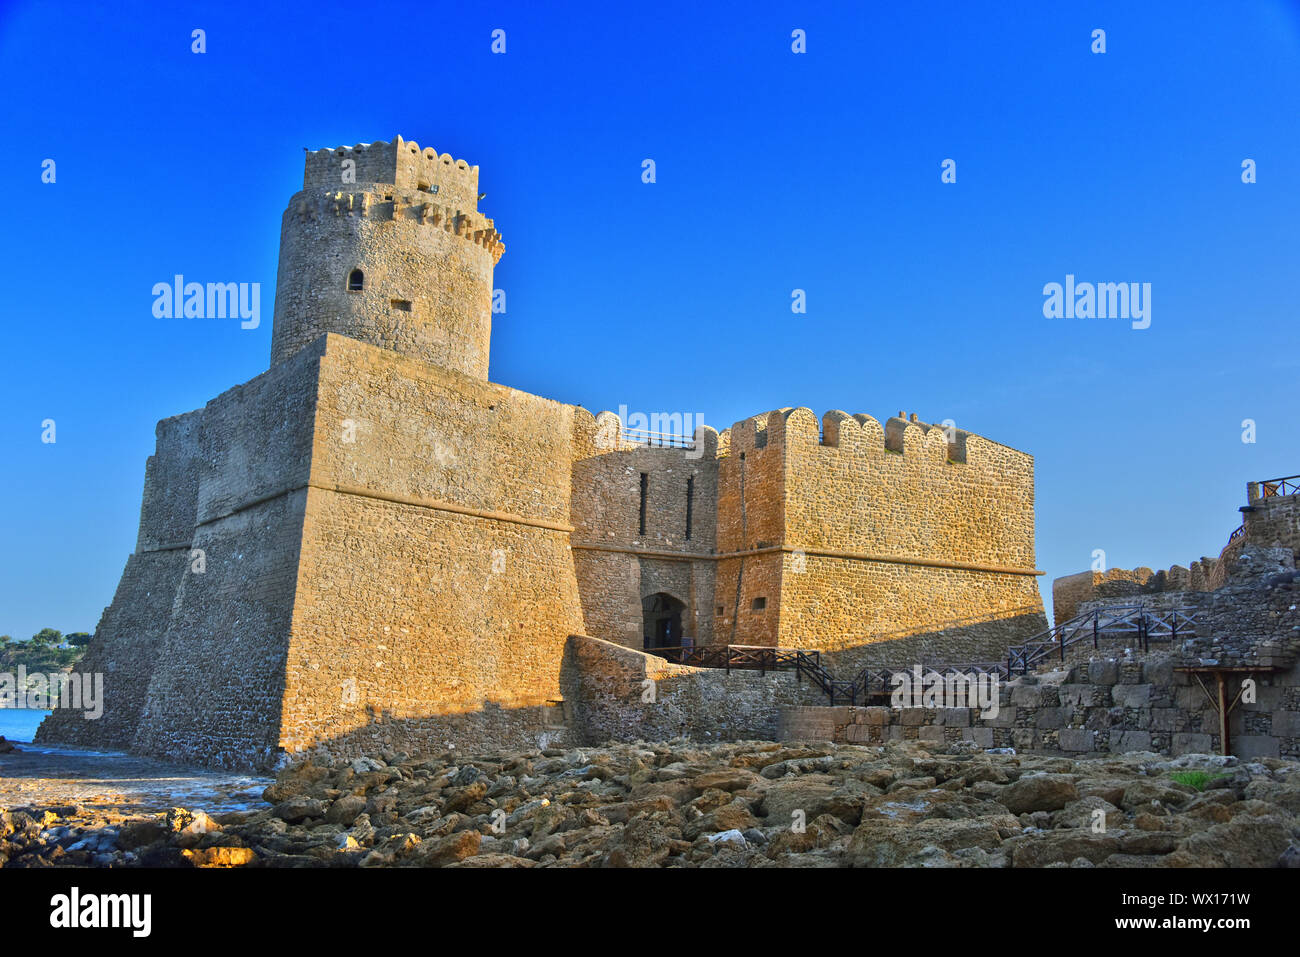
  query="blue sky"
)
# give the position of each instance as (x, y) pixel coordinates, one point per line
(775, 171)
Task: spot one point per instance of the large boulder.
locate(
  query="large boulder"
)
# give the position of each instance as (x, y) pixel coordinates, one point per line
(1248, 840)
(810, 793)
(346, 810)
(1038, 792)
(299, 808)
(891, 844)
(1060, 847)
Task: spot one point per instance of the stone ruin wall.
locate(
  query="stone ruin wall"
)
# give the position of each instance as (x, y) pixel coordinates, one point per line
(1116, 698)
(1111, 700)
(1105, 706)
(619, 694)
(1269, 522)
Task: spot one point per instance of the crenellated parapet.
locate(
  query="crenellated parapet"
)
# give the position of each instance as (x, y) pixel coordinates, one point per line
(399, 163)
(385, 244)
(852, 482)
(863, 437)
(310, 206)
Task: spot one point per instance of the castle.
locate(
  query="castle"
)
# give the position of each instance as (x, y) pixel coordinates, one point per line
(371, 544)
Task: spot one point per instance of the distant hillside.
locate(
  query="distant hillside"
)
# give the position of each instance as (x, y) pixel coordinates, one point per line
(48, 650)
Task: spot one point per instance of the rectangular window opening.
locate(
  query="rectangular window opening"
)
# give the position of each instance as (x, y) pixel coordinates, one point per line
(645, 487)
(690, 497)
(758, 604)
(402, 304)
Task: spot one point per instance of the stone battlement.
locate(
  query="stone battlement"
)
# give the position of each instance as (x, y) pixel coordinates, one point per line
(861, 435)
(400, 163)
(310, 205)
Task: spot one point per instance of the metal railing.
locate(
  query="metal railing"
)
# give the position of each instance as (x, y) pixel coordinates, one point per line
(761, 658)
(662, 440)
(1288, 485)
(1136, 620)
(1133, 620)
(1237, 533)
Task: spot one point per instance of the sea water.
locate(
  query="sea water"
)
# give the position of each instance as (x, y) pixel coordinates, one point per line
(20, 724)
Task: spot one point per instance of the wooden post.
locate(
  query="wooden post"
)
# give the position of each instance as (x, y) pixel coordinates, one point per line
(1223, 713)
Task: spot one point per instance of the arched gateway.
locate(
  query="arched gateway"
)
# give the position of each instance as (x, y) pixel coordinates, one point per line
(661, 614)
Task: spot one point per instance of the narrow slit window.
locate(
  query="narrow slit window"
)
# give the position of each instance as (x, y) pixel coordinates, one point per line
(645, 487)
(690, 499)
(356, 280)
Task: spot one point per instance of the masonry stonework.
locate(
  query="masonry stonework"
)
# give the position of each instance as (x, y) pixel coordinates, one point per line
(394, 552)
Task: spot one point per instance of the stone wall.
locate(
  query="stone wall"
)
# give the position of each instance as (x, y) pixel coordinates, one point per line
(1122, 698)
(617, 566)
(1273, 520)
(1102, 706)
(1269, 522)
(619, 694)
(857, 534)
(751, 531)
(436, 587)
(217, 687)
(128, 639)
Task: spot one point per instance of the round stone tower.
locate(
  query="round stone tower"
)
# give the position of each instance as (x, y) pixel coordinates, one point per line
(385, 244)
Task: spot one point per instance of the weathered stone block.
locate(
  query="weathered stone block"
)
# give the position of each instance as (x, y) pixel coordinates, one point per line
(1187, 743)
(1131, 696)
(1097, 719)
(1075, 695)
(1026, 695)
(1048, 718)
(1286, 724)
(912, 717)
(858, 734)
(1248, 746)
(1161, 673)
(1165, 719)
(955, 717)
(1130, 741)
(981, 736)
(1190, 698)
(1077, 739)
(1103, 672)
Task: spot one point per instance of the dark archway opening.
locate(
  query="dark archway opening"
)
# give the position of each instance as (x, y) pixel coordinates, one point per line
(661, 614)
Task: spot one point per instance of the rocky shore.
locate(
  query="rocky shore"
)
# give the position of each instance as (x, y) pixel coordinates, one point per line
(685, 804)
